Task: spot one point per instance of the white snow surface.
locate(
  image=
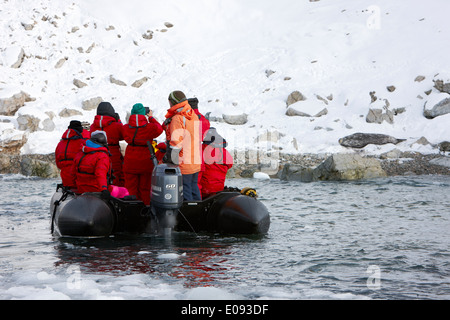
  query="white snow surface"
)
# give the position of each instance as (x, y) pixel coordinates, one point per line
(235, 56)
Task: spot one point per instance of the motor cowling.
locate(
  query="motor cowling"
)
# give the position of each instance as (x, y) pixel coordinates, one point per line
(166, 194)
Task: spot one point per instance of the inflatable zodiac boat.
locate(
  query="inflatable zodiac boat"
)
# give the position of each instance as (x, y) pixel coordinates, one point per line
(88, 215)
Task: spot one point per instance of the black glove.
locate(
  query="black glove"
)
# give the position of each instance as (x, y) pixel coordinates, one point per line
(105, 195)
(172, 156)
(167, 121)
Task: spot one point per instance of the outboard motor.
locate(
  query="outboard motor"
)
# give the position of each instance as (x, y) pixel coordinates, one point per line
(166, 196)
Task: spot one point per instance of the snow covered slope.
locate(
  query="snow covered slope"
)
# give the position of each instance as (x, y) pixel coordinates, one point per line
(236, 57)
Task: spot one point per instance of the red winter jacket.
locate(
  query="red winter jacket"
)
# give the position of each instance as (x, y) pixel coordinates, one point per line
(91, 168)
(114, 133)
(137, 132)
(217, 162)
(204, 123)
(70, 144)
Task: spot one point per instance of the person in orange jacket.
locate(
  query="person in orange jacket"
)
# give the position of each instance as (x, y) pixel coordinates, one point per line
(72, 140)
(183, 136)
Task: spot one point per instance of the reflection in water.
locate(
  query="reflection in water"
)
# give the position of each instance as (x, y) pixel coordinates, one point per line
(194, 260)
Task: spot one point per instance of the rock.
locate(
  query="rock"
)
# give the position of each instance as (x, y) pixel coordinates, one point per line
(48, 125)
(309, 108)
(60, 62)
(148, 35)
(66, 113)
(360, 140)
(423, 141)
(116, 81)
(28, 122)
(140, 82)
(390, 88)
(9, 106)
(90, 48)
(348, 167)
(441, 86)
(235, 119)
(291, 112)
(78, 83)
(378, 116)
(38, 168)
(247, 173)
(168, 24)
(293, 172)
(295, 97)
(11, 141)
(393, 154)
(20, 58)
(27, 26)
(8, 163)
(442, 161)
(92, 103)
(444, 146)
(50, 114)
(419, 78)
(438, 109)
(269, 72)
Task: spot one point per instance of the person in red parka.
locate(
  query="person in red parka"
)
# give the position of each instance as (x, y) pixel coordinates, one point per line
(91, 169)
(108, 120)
(138, 165)
(72, 140)
(217, 163)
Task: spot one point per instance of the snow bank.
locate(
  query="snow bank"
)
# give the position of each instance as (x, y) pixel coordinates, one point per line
(236, 57)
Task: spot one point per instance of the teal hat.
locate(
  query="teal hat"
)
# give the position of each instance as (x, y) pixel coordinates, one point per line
(138, 108)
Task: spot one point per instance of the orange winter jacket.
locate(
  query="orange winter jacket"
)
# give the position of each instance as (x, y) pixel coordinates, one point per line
(183, 132)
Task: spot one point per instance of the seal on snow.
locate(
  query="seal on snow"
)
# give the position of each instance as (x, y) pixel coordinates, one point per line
(360, 140)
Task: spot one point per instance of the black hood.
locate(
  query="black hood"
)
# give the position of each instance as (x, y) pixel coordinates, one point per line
(106, 109)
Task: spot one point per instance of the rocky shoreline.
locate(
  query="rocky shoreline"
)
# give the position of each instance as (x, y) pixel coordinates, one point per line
(300, 167)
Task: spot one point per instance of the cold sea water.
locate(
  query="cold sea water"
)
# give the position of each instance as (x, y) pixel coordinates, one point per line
(376, 239)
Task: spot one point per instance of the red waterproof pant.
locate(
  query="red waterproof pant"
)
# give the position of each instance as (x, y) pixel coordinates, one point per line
(139, 185)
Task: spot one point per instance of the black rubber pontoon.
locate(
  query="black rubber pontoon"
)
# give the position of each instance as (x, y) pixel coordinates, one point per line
(88, 215)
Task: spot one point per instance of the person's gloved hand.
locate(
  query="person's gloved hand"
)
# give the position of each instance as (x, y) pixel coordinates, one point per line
(106, 195)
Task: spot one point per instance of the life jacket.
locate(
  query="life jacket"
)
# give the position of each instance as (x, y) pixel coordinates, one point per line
(217, 163)
(91, 169)
(111, 126)
(70, 144)
(114, 132)
(136, 133)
